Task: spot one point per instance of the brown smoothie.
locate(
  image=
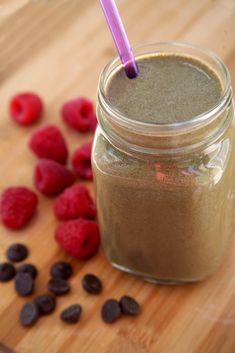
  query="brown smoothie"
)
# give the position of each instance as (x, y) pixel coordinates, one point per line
(167, 218)
(169, 89)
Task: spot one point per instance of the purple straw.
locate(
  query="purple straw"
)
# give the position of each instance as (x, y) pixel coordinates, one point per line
(120, 38)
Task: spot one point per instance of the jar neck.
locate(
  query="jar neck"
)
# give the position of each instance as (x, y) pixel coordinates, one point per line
(133, 136)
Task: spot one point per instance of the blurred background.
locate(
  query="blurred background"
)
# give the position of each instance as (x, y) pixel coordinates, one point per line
(60, 46)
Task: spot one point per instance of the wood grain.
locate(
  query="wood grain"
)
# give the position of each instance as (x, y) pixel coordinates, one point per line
(57, 48)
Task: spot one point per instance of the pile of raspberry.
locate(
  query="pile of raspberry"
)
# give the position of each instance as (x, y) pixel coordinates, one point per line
(78, 232)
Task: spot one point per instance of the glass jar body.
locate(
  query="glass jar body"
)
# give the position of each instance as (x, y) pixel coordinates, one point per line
(165, 192)
(168, 219)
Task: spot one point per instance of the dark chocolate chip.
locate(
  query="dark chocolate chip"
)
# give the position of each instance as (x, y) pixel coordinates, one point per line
(24, 284)
(7, 272)
(46, 304)
(72, 314)
(17, 252)
(29, 314)
(129, 305)
(30, 269)
(61, 269)
(58, 286)
(110, 311)
(92, 284)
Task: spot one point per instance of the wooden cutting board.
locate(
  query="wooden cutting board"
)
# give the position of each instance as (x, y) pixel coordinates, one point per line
(57, 48)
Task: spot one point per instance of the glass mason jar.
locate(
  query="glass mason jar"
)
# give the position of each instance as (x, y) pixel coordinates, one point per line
(165, 192)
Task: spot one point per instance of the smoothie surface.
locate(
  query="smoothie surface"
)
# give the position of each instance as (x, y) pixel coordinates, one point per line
(169, 89)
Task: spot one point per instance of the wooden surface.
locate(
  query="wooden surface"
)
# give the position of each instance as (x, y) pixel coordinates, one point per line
(57, 48)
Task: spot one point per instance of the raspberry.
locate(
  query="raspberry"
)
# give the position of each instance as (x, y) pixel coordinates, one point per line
(73, 203)
(79, 113)
(17, 206)
(51, 178)
(26, 108)
(93, 123)
(48, 142)
(81, 161)
(79, 238)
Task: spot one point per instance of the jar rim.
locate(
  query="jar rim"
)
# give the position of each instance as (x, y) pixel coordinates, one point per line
(148, 127)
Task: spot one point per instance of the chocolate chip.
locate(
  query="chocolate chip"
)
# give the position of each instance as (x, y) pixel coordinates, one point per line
(72, 314)
(29, 314)
(61, 269)
(129, 305)
(92, 284)
(17, 252)
(110, 311)
(24, 284)
(30, 269)
(58, 286)
(7, 272)
(46, 304)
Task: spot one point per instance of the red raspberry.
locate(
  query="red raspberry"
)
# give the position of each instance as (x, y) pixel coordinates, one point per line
(93, 124)
(79, 238)
(73, 203)
(51, 178)
(48, 142)
(26, 108)
(81, 161)
(17, 206)
(79, 113)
